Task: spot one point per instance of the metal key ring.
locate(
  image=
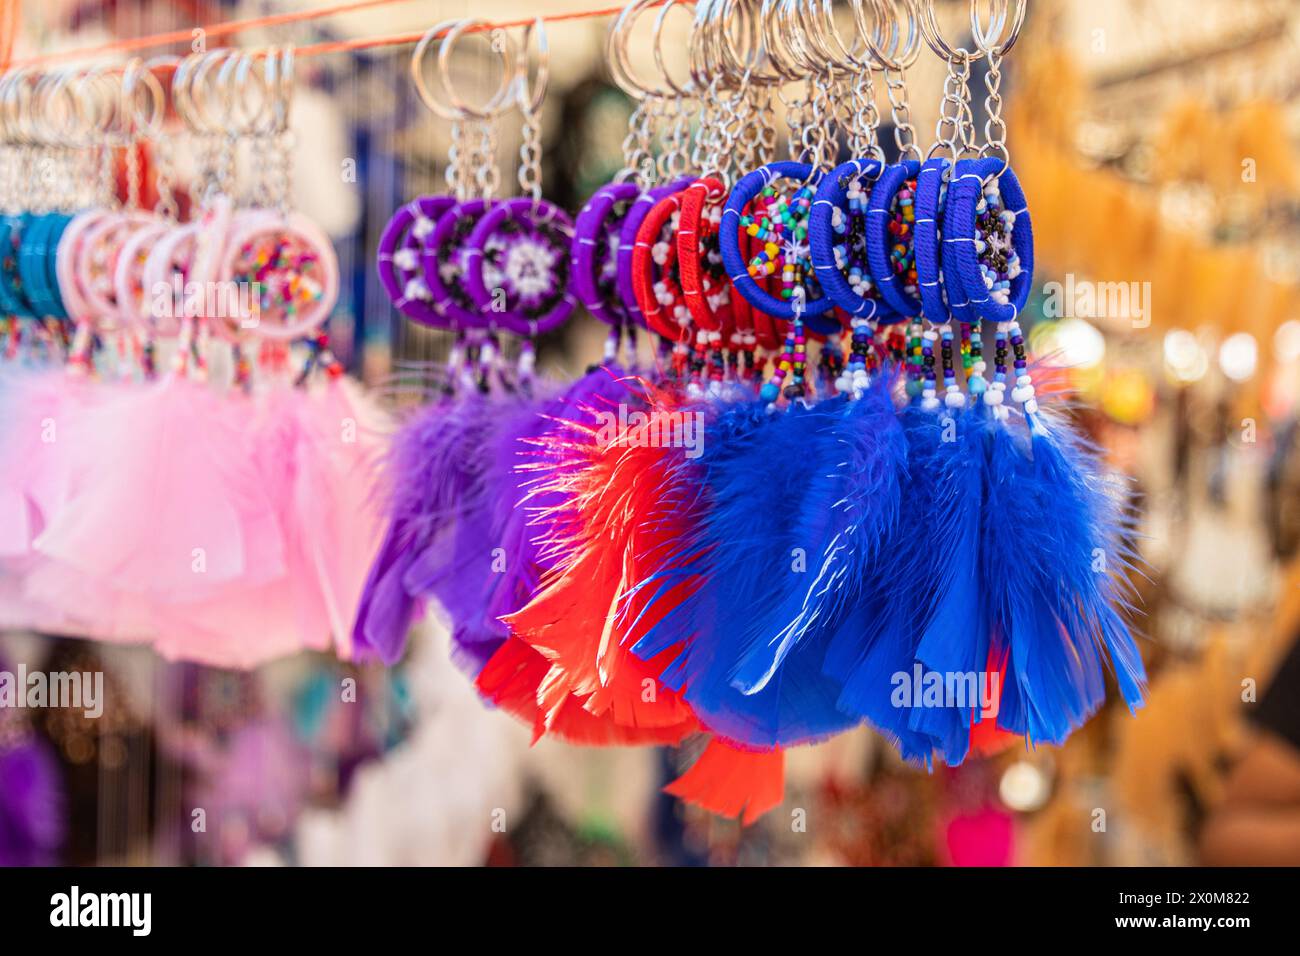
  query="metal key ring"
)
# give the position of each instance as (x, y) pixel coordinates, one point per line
(997, 19)
(886, 12)
(526, 99)
(934, 36)
(458, 110)
(656, 46)
(616, 52)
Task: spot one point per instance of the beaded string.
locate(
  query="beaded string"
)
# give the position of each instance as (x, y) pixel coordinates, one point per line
(913, 356)
(862, 359)
(995, 394)
(953, 396)
(998, 261)
(851, 227)
(793, 362)
(928, 391)
(902, 221)
(780, 222)
(1023, 393)
(973, 359)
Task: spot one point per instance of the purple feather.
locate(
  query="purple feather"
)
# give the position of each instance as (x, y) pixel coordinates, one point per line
(487, 562)
(31, 804)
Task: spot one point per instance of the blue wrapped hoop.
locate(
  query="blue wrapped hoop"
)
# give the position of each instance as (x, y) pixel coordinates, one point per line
(729, 237)
(879, 241)
(821, 236)
(33, 258)
(60, 224)
(960, 259)
(929, 210)
(12, 301)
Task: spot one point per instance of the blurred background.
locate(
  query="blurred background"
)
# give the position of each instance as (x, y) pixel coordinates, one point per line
(1155, 141)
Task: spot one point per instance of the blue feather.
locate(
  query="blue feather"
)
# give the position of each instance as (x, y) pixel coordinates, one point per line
(1051, 544)
(763, 478)
(878, 640)
(954, 635)
(846, 516)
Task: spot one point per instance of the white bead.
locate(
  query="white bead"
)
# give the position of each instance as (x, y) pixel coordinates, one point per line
(955, 399)
(993, 397)
(1023, 380)
(1022, 393)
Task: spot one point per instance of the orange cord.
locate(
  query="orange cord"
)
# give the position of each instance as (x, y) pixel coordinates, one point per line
(11, 18)
(231, 27)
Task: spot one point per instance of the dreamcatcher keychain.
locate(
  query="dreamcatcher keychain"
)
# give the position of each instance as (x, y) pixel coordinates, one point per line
(1052, 549)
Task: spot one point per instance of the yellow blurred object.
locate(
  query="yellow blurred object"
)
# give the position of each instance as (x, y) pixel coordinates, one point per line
(1097, 224)
(1127, 396)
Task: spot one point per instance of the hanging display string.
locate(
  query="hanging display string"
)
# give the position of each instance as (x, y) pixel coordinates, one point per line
(231, 27)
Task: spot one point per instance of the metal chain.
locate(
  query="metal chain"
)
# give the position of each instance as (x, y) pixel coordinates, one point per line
(863, 138)
(749, 139)
(530, 153)
(487, 175)
(995, 127)
(8, 178)
(671, 115)
(646, 134)
(451, 173)
(740, 114)
(106, 176)
(282, 188)
(133, 174)
(904, 134)
(766, 143)
(809, 131)
(164, 169)
(633, 152)
(706, 132)
(952, 107)
(820, 122)
(675, 160)
(795, 120)
(967, 119)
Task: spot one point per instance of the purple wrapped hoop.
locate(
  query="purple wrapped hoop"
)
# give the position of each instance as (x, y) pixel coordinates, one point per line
(398, 260)
(444, 258)
(521, 246)
(627, 241)
(595, 252)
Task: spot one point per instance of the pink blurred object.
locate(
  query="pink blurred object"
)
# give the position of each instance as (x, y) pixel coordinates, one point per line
(982, 838)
